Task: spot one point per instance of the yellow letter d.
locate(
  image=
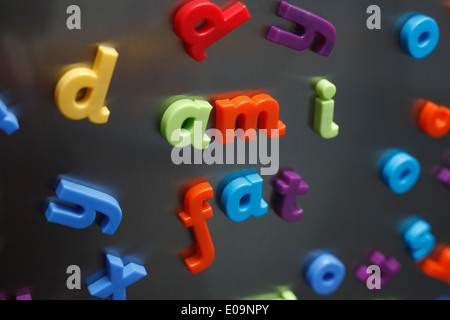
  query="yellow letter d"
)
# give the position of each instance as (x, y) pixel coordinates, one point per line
(96, 83)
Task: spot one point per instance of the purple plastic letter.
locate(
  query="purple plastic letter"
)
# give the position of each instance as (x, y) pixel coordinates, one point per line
(443, 175)
(313, 32)
(389, 267)
(288, 184)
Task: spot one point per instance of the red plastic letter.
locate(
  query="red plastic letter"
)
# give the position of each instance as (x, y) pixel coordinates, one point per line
(434, 120)
(197, 210)
(248, 111)
(217, 24)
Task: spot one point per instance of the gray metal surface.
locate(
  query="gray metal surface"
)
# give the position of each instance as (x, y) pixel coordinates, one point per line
(347, 210)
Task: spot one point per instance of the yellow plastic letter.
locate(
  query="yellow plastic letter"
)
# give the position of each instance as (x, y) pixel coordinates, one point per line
(96, 83)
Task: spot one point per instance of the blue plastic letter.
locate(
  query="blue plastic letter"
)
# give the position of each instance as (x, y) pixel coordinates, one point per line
(418, 238)
(242, 198)
(89, 201)
(419, 36)
(324, 273)
(8, 121)
(401, 172)
(117, 279)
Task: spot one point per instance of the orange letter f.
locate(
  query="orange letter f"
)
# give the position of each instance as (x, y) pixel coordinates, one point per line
(196, 211)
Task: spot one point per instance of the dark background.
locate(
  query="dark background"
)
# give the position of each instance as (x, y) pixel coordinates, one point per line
(347, 210)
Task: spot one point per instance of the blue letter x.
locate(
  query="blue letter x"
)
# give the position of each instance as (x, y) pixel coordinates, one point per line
(118, 277)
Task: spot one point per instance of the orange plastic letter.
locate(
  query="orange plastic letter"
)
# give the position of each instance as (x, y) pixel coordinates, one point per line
(247, 111)
(437, 264)
(197, 210)
(434, 120)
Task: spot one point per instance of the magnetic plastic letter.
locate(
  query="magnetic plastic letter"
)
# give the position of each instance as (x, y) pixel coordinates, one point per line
(282, 293)
(389, 267)
(218, 23)
(401, 172)
(8, 121)
(443, 175)
(325, 273)
(324, 110)
(186, 111)
(89, 201)
(197, 210)
(23, 294)
(437, 264)
(20, 294)
(242, 198)
(316, 33)
(96, 82)
(247, 111)
(419, 36)
(434, 120)
(418, 238)
(288, 184)
(118, 277)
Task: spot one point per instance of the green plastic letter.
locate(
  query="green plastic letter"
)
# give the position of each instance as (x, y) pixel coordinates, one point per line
(324, 109)
(181, 115)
